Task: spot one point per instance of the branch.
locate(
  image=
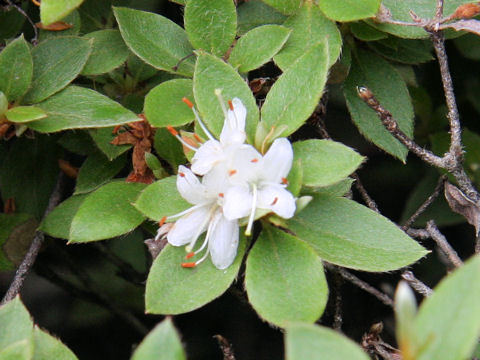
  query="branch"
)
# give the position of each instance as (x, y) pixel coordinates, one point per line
(443, 244)
(364, 194)
(416, 284)
(25, 15)
(37, 242)
(226, 347)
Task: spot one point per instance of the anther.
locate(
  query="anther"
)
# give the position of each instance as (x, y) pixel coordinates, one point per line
(162, 221)
(188, 102)
(232, 172)
(284, 181)
(274, 201)
(190, 255)
(189, 265)
(181, 174)
(230, 104)
(254, 160)
(198, 138)
(172, 130)
(221, 195)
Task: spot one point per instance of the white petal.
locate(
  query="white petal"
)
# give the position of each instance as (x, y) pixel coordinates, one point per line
(246, 161)
(223, 242)
(189, 226)
(237, 202)
(278, 199)
(277, 162)
(207, 155)
(189, 186)
(233, 131)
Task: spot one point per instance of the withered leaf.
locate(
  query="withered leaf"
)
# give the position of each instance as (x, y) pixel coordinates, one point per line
(471, 25)
(462, 205)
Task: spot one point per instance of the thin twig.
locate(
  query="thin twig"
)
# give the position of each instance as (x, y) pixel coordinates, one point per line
(416, 284)
(426, 204)
(24, 14)
(443, 244)
(364, 194)
(421, 234)
(384, 298)
(226, 347)
(37, 242)
(337, 316)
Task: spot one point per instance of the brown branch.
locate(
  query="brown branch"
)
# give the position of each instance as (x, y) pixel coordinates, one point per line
(443, 244)
(416, 284)
(337, 316)
(37, 243)
(384, 298)
(226, 347)
(426, 204)
(421, 234)
(364, 194)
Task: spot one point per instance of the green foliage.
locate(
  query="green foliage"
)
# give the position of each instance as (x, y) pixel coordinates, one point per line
(16, 68)
(16, 234)
(54, 10)
(284, 279)
(162, 343)
(21, 114)
(256, 13)
(211, 24)
(346, 233)
(285, 6)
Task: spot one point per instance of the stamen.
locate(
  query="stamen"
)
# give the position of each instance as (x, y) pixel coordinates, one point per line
(181, 174)
(221, 195)
(248, 231)
(254, 160)
(202, 259)
(162, 221)
(172, 130)
(190, 255)
(230, 104)
(219, 96)
(274, 201)
(198, 138)
(189, 265)
(284, 181)
(232, 172)
(184, 143)
(188, 102)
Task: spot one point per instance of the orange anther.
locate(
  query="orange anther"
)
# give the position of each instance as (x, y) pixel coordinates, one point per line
(221, 195)
(232, 172)
(188, 102)
(189, 265)
(190, 255)
(254, 160)
(181, 174)
(284, 181)
(162, 221)
(198, 138)
(230, 104)
(172, 130)
(36, 2)
(274, 201)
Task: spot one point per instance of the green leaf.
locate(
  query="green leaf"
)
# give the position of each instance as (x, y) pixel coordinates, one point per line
(164, 105)
(325, 162)
(77, 142)
(108, 52)
(58, 222)
(338, 189)
(156, 40)
(309, 27)
(28, 173)
(256, 13)
(404, 51)
(72, 19)
(425, 9)
(284, 279)
(348, 234)
(305, 341)
(77, 107)
(295, 177)
(172, 289)
(21, 350)
(296, 93)
(383, 80)
(349, 10)
(161, 199)
(3, 104)
(212, 73)
(444, 334)
(96, 171)
(55, 10)
(365, 32)
(103, 138)
(15, 323)
(169, 148)
(21, 114)
(16, 235)
(284, 6)
(16, 69)
(258, 46)
(48, 347)
(56, 62)
(162, 343)
(11, 21)
(211, 24)
(107, 212)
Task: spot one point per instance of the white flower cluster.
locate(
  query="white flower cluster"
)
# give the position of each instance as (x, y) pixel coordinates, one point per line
(236, 181)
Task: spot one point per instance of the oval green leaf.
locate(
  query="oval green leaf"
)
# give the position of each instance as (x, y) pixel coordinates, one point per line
(325, 162)
(54, 10)
(77, 107)
(108, 52)
(309, 26)
(212, 73)
(169, 148)
(162, 343)
(48, 347)
(211, 25)
(21, 114)
(164, 105)
(444, 334)
(56, 62)
(172, 289)
(348, 234)
(161, 199)
(156, 40)
(256, 13)
(258, 46)
(305, 341)
(16, 69)
(15, 323)
(107, 212)
(349, 10)
(284, 279)
(384, 81)
(296, 93)
(12, 227)
(287, 7)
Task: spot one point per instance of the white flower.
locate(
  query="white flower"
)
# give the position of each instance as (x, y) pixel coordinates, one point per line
(222, 234)
(262, 185)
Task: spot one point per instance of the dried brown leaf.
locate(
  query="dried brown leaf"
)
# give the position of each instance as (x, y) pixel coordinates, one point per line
(462, 205)
(471, 25)
(56, 26)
